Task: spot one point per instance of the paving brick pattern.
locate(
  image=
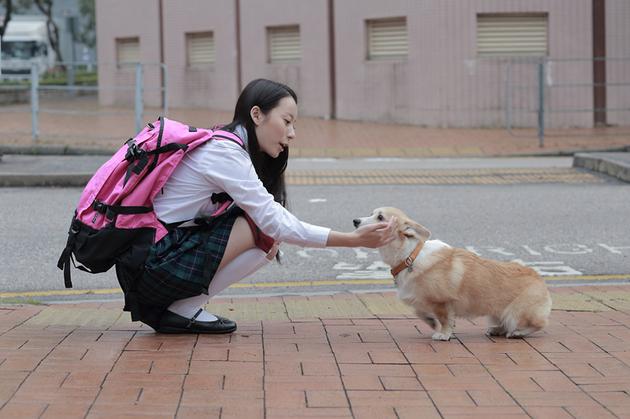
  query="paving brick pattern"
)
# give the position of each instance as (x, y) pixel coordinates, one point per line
(82, 123)
(338, 356)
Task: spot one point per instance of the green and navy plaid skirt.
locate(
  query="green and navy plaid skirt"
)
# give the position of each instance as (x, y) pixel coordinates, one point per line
(183, 262)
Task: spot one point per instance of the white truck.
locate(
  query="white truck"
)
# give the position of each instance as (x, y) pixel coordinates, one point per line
(25, 42)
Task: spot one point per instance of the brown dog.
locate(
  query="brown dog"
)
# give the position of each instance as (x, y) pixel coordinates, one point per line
(441, 282)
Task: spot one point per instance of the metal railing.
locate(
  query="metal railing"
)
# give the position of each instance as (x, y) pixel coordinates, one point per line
(559, 94)
(73, 89)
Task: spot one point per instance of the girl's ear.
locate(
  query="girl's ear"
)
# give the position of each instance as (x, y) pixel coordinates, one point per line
(256, 115)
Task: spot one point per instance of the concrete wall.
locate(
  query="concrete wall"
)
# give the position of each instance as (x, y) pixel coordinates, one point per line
(126, 19)
(618, 66)
(212, 86)
(442, 82)
(311, 76)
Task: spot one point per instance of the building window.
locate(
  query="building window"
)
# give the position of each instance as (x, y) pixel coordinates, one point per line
(127, 51)
(199, 49)
(512, 35)
(284, 44)
(387, 38)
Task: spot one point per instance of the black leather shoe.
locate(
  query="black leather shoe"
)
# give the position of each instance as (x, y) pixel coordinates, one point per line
(174, 323)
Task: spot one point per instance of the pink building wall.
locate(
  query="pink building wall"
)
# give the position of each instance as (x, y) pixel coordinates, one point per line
(311, 76)
(212, 86)
(441, 82)
(618, 66)
(126, 19)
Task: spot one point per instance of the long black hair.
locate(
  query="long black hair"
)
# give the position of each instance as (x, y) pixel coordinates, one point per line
(265, 94)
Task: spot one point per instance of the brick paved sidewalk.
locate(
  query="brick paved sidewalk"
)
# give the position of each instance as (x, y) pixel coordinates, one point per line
(107, 128)
(337, 356)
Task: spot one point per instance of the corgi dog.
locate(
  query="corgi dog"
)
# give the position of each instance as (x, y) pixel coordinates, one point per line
(441, 282)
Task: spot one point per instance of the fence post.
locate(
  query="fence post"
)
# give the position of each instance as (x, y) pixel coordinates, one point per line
(34, 102)
(71, 77)
(541, 103)
(139, 103)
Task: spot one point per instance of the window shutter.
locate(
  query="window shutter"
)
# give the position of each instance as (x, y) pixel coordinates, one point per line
(387, 38)
(128, 50)
(200, 48)
(511, 35)
(284, 44)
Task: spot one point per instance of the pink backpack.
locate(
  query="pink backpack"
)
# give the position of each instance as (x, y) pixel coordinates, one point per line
(114, 218)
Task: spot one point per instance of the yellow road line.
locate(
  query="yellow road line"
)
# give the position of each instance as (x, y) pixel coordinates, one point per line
(320, 283)
(58, 292)
(587, 277)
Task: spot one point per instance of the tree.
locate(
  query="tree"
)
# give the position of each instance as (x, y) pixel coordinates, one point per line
(8, 9)
(87, 23)
(45, 7)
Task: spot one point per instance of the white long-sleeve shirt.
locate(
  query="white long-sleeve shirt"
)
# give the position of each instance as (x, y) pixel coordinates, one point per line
(223, 166)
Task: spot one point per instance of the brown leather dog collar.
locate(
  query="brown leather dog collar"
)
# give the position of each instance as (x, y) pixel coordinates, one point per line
(409, 261)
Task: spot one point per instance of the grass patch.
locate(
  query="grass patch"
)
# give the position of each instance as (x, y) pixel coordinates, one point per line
(14, 83)
(81, 78)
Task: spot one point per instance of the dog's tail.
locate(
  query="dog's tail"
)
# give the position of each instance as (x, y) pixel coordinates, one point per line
(529, 312)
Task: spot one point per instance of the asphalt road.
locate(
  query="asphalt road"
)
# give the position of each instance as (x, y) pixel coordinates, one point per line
(560, 229)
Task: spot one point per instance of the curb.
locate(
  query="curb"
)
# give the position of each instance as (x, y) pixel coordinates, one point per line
(82, 151)
(44, 180)
(606, 164)
(55, 150)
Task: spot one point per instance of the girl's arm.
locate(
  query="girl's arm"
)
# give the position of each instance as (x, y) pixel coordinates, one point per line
(372, 236)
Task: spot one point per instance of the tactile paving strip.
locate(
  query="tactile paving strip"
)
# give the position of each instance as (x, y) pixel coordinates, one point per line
(440, 177)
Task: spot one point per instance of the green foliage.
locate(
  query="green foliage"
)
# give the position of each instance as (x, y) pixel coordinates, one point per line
(87, 26)
(10, 82)
(81, 78)
(57, 78)
(23, 6)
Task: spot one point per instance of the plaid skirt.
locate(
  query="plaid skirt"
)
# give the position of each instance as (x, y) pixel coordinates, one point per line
(183, 262)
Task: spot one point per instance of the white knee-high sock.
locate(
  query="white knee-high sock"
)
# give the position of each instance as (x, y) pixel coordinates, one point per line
(244, 264)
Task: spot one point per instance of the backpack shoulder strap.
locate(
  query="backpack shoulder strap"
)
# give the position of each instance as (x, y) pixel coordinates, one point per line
(226, 135)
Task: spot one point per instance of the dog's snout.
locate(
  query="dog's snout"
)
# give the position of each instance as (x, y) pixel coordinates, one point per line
(356, 222)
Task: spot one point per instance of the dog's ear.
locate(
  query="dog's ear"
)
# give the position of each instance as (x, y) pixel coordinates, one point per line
(413, 229)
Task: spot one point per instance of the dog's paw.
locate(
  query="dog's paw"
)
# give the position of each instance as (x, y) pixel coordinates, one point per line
(516, 334)
(495, 331)
(441, 336)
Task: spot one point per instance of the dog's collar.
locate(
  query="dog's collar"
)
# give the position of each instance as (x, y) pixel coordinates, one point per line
(409, 261)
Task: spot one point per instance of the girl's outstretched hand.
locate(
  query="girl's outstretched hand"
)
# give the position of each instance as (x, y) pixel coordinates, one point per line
(376, 235)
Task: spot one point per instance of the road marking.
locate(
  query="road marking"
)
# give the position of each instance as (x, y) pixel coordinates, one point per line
(552, 280)
(59, 293)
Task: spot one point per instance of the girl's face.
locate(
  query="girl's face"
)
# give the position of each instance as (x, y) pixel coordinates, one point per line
(275, 129)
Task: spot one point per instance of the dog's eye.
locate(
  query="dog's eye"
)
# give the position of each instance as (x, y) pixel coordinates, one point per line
(380, 217)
